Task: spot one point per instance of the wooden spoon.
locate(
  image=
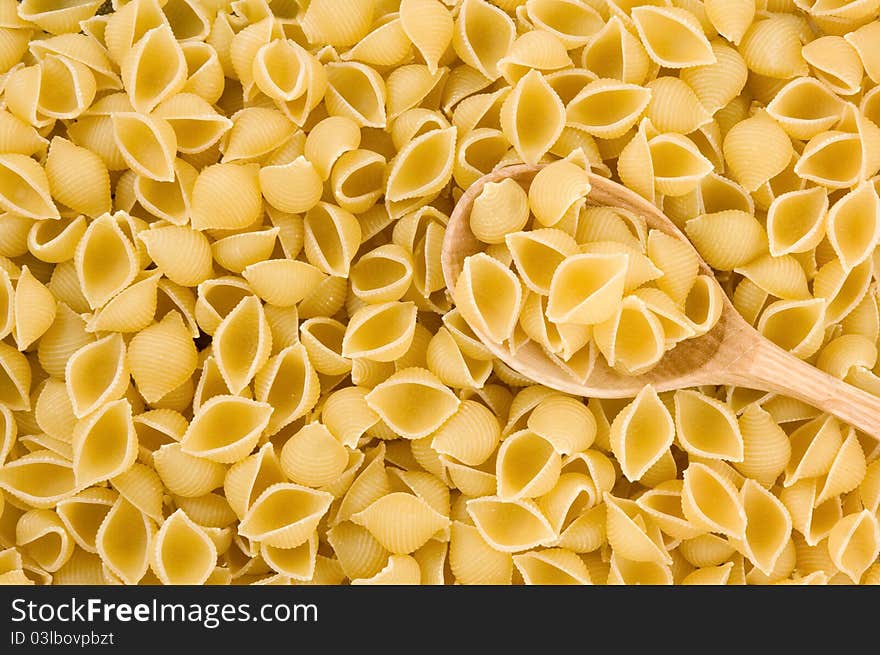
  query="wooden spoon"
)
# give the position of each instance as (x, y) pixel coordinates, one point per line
(731, 353)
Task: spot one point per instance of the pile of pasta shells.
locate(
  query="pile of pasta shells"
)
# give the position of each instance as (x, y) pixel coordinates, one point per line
(228, 353)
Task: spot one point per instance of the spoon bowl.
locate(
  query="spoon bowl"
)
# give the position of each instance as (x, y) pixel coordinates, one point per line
(731, 353)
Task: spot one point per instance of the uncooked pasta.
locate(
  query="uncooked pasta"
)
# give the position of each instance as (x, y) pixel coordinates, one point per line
(228, 353)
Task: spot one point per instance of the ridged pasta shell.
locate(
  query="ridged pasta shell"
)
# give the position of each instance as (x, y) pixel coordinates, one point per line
(385, 45)
(631, 535)
(772, 47)
(382, 275)
(832, 146)
(55, 241)
(246, 480)
(181, 253)
(380, 332)
(805, 107)
(181, 552)
(677, 163)
(586, 288)
(347, 416)
(123, 541)
(83, 514)
(712, 502)
(613, 52)
(168, 200)
(332, 237)
(558, 191)
(238, 251)
(96, 374)
(641, 433)
(226, 429)
(847, 471)
(756, 150)
(358, 180)
(672, 37)
(470, 435)
(527, 466)
(509, 526)
(78, 178)
(40, 534)
(854, 225)
(33, 308)
(704, 231)
(607, 108)
(564, 422)
(287, 382)
(854, 542)
(796, 221)
(836, 63)
(162, 357)
(554, 566)
(294, 188)
(674, 107)
(473, 561)
(717, 84)
(496, 318)
(141, 486)
(282, 282)
(313, 457)
(401, 522)
(795, 325)
(532, 140)
(285, 515)
(707, 428)
(196, 125)
(449, 361)
(242, 343)
(226, 196)
(861, 39)
(482, 35)
(147, 144)
(24, 188)
(278, 70)
(356, 91)
(104, 443)
(413, 402)
(842, 291)
(322, 338)
(64, 337)
(429, 26)
(422, 167)
(154, 69)
(256, 133)
(781, 276)
(187, 475)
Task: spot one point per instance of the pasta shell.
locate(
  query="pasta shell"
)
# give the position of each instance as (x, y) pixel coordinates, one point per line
(473, 561)
(34, 309)
(104, 443)
(96, 374)
(854, 543)
(24, 188)
(285, 515)
(328, 140)
(805, 107)
(813, 447)
(613, 52)
(243, 422)
(55, 241)
(509, 526)
(641, 433)
(712, 502)
(280, 70)
(672, 37)
(615, 337)
(336, 23)
(226, 196)
(535, 50)
(181, 552)
(157, 375)
(482, 35)
(40, 534)
(495, 317)
(607, 108)
(332, 237)
(429, 26)
(538, 254)
(861, 39)
(571, 22)
(706, 427)
(313, 457)
(282, 282)
(447, 359)
(242, 343)
(674, 107)
(64, 337)
(500, 209)
(256, 132)
(854, 225)
(422, 167)
(564, 422)
(630, 535)
(716, 85)
(772, 47)
(555, 566)
(294, 188)
(558, 191)
(147, 143)
(78, 178)
(187, 475)
(83, 514)
(124, 540)
(797, 326)
(796, 221)
(731, 19)
(166, 247)
(154, 69)
(527, 466)
(360, 555)
(358, 180)
(141, 486)
(297, 563)
(836, 63)
(413, 403)
(168, 200)
(248, 479)
(769, 526)
(703, 232)
(204, 71)
(385, 45)
(400, 570)
(748, 147)
(356, 91)
(238, 251)
(532, 140)
(380, 332)
(678, 165)
(782, 276)
(196, 125)
(842, 291)
(831, 146)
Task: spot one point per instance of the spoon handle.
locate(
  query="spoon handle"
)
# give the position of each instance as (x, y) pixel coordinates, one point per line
(763, 365)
